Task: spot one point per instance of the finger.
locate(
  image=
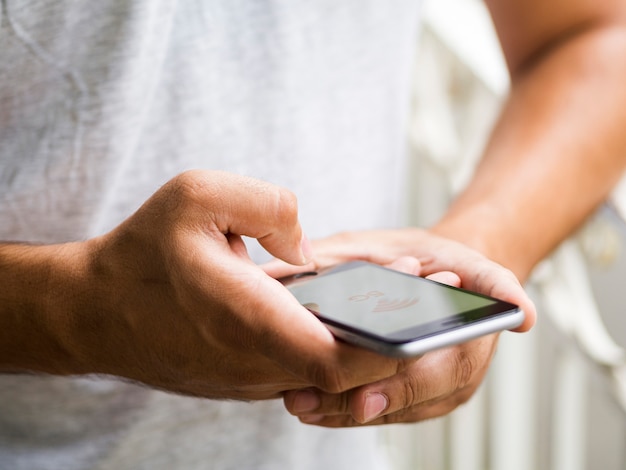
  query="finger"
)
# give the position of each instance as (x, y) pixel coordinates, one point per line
(250, 207)
(406, 264)
(479, 274)
(438, 375)
(502, 284)
(446, 277)
(349, 246)
(448, 375)
(278, 269)
(422, 412)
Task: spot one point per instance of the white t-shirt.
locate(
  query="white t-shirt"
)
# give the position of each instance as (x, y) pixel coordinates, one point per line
(102, 102)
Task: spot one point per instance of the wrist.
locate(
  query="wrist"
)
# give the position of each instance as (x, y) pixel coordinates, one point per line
(41, 285)
(489, 233)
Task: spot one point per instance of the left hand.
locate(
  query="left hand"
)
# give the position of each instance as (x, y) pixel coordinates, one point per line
(439, 381)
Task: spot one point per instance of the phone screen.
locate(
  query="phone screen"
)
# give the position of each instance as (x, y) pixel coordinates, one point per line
(386, 303)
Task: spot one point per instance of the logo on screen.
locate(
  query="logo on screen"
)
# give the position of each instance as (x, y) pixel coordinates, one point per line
(383, 304)
(390, 305)
(368, 295)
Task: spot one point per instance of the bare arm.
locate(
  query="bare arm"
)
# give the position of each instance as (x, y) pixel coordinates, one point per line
(559, 146)
(37, 284)
(169, 298)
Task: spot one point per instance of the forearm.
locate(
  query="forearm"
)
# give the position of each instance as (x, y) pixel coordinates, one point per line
(38, 289)
(556, 152)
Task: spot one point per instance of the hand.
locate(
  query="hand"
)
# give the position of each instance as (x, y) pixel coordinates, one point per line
(170, 299)
(437, 256)
(439, 381)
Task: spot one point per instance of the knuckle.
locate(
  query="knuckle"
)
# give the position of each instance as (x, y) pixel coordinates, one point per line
(187, 186)
(286, 204)
(186, 181)
(341, 402)
(207, 185)
(328, 379)
(465, 366)
(410, 395)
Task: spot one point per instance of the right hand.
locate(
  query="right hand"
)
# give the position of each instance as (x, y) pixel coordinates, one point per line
(170, 298)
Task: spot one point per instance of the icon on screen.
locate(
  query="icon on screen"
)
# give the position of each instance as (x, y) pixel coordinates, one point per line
(391, 305)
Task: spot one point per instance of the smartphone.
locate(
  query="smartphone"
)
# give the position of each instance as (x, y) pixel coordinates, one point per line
(398, 314)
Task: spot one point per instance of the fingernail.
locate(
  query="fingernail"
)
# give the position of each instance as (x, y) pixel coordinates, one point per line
(305, 401)
(375, 404)
(307, 249)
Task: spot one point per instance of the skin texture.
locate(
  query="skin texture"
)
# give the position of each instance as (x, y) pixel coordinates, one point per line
(437, 382)
(170, 298)
(554, 155)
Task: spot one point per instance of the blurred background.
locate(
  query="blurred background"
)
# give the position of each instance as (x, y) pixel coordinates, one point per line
(555, 398)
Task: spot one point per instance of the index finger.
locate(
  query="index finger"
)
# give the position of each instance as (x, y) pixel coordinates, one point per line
(479, 274)
(246, 206)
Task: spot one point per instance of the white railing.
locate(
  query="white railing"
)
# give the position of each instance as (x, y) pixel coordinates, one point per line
(555, 398)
